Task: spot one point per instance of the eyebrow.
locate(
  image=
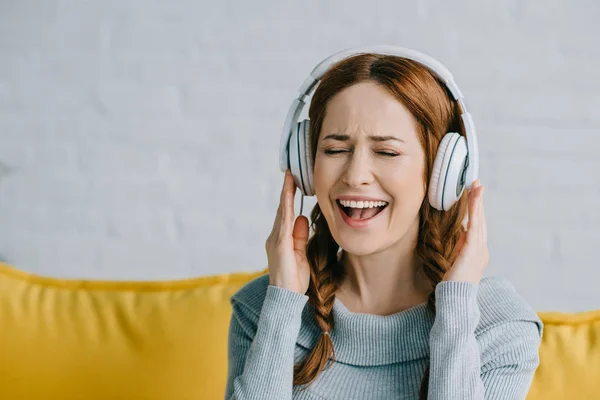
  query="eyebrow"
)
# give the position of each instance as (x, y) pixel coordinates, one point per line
(375, 138)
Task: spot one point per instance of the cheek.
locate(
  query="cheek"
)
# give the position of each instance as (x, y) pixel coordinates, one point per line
(321, 185)
(408, 186)
(324, 174)
(318, 174)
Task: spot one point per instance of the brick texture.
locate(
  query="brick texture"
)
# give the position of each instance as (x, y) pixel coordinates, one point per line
(139, 139)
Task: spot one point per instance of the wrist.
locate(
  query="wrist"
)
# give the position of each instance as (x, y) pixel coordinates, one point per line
(283, 285)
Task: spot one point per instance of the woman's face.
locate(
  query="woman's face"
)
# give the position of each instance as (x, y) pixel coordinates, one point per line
(369, 149)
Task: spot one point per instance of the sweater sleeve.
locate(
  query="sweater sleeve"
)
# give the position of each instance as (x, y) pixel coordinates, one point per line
(459, 369)
(261, 348)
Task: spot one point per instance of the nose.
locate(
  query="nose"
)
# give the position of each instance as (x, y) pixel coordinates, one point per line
(358, 170)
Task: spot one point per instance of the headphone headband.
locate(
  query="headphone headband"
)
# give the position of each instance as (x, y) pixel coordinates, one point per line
(432, 64)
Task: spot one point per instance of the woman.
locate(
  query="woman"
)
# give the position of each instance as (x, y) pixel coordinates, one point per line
(386, 299)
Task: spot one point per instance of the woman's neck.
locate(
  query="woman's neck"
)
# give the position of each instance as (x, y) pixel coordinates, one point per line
(380, 284)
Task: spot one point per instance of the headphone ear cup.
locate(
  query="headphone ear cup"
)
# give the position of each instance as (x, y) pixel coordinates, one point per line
(307, 160)
(299, 163)
(293, 157)
(446, 183)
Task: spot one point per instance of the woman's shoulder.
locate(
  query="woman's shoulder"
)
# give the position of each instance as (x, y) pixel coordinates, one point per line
(500, 304)
(509, 332)
(257, 299)
(251, 295)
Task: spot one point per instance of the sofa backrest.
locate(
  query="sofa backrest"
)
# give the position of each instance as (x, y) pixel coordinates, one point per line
(62, 338)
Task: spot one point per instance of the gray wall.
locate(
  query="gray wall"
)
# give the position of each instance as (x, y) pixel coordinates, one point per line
(139, 139)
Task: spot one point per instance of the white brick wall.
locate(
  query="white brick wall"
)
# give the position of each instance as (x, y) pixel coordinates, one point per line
(138, 139)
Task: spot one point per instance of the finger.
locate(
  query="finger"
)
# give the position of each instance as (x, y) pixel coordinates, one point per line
(478, 227)
(471, 204)
(473, 187)
(300, 235)
(278, 216)
(473, 211)
(461, 241)
(277, 222)
(288, 205)
(283, 187)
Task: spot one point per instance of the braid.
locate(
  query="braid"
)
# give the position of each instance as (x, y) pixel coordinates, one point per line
(324, 277)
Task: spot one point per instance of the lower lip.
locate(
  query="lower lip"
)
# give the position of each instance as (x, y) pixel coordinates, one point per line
(358, 223)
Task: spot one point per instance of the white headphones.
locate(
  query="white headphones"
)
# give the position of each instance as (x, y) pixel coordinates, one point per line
(456, 165)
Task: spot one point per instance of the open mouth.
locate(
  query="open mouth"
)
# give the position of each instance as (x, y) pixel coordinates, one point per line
(362, 210)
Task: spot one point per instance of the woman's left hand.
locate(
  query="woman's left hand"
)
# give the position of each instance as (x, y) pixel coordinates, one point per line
(472, 246)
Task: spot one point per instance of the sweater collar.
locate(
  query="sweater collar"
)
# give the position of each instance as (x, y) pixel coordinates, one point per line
(368, 339)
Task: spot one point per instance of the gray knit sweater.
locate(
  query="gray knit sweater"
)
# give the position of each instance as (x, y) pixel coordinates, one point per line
(482, 343)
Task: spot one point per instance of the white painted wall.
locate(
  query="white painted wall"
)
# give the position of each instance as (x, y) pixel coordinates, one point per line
(139, 139)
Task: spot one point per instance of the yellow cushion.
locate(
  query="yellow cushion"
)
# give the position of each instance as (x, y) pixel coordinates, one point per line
(85, 339)
(569, 357)
(76, 339)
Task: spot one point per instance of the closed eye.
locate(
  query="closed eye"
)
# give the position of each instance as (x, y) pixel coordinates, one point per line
(383, 153)
(335, 151)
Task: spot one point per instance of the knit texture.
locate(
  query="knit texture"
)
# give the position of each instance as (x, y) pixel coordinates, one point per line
(482, 343)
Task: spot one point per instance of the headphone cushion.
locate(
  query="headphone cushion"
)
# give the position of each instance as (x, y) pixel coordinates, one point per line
(307, 161)
(447, 171)
(294, 157)
(300, 160)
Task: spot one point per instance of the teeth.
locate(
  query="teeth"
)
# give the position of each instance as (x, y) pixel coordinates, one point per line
(362, 204)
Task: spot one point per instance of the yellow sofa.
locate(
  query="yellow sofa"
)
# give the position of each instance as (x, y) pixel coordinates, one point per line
(84, 339)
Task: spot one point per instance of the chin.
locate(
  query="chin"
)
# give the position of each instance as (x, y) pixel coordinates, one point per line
(360, 246)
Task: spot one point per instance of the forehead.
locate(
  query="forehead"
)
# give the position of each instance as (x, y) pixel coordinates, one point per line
(367, 108)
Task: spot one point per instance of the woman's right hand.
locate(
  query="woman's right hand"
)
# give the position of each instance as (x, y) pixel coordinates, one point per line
(286, 245)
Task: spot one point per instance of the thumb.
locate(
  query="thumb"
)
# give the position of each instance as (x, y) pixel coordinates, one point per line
(300, 234)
